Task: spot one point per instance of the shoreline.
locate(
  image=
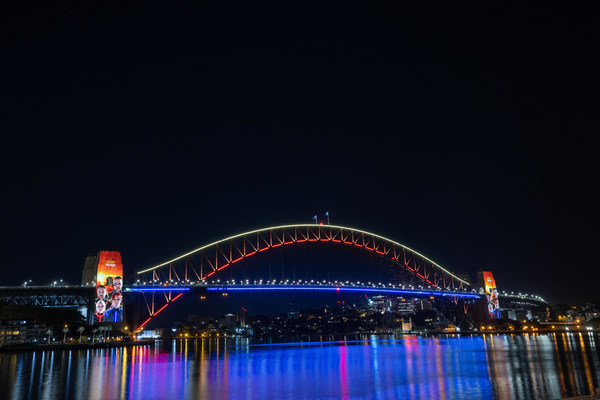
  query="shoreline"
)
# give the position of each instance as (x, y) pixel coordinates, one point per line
(108, 345)
(75, 346)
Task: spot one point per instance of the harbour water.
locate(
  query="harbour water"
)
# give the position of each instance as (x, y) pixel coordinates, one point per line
(548, 366)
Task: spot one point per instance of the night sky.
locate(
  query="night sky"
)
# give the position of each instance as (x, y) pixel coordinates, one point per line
(464, 133)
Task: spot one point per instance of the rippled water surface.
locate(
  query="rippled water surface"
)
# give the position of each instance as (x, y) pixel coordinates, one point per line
(477, 367)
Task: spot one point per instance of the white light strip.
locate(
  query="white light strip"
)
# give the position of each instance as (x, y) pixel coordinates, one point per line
(301, 226)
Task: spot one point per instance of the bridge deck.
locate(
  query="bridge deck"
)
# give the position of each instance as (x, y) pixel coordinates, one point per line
(320, 288)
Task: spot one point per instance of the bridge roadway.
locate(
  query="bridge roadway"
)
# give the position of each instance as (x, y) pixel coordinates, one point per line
(398, 290)
(69, 295)
(307, 287)
(224, 288)
(73, 296)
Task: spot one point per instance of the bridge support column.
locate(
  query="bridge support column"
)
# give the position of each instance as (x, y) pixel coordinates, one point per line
(511, 314)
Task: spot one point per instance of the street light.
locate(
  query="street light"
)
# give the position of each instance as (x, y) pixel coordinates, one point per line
(65, 330)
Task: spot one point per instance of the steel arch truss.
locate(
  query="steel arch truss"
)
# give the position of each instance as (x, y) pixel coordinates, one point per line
(205, 262)
(155, 302)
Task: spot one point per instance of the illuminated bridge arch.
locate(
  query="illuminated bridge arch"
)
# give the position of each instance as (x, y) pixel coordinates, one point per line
(206, 262)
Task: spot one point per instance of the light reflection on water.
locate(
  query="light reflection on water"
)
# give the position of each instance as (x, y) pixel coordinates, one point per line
(477, 367)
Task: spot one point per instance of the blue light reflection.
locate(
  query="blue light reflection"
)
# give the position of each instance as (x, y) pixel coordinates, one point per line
(367, 367)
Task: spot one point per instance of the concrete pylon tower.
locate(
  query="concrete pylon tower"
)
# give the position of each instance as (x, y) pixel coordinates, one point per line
(88, 274)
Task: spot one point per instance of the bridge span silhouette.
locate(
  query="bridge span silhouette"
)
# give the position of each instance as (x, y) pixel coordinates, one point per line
(410, 273)
(219, 267)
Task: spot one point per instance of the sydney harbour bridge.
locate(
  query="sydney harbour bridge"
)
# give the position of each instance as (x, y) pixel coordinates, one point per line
(303, 258)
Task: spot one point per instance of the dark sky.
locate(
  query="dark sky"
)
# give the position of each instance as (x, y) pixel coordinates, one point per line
(464, 133)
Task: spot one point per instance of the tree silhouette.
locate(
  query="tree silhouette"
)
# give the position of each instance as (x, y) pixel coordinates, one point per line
(49, 332)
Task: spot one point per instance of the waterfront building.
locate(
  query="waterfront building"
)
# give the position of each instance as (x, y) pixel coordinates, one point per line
(229, 322)
(19, 331)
